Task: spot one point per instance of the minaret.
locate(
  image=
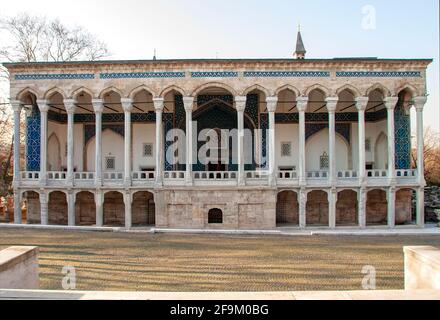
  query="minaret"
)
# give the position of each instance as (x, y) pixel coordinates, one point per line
(300, 52)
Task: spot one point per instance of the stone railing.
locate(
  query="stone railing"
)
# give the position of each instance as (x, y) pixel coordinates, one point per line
(286, 175)
(215, 175)
(57, 175)
(317, 174)
(256, 175)
(113, 176)
(19, 268)
(143, 175)
(347, 174)
(30, 175)
(84, 176)
(406, 173)
(174, 175)
(377, 173)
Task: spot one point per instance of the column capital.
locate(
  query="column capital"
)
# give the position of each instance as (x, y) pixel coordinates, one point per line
(188, 103)
(301, 103)
(361, 103)
(240, 103)
(43, 105)
(419, 103)
(70, 105)
(158, 104)
(98, 105)
(332, 103)
(127, 104)
(390, 102)
(16, 105)
(272, 103)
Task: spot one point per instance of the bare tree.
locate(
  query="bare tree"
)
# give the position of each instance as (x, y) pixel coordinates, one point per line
(28, 38)
(431, 155)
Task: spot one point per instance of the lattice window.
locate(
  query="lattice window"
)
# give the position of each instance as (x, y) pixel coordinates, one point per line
(286, 149)
(147, 149)
(324, 161)
(110, 163)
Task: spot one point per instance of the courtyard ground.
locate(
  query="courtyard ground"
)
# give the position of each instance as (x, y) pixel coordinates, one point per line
(165, 262)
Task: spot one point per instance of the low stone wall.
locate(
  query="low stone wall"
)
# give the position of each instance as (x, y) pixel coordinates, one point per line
(432, 203)
(422, 268)
(19, 268)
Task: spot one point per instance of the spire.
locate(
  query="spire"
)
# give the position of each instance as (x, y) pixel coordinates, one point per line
(300, 52)
(154, 56)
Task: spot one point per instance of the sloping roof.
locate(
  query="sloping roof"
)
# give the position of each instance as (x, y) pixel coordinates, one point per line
(300, 45)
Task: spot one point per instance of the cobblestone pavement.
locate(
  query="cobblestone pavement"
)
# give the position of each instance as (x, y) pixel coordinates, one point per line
(174, 262)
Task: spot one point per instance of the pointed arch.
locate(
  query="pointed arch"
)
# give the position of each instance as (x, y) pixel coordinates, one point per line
(378, 86)
(171, 88)
(409, 87)
(140, 88)
(288, 87)
(108, 90)
(381, 151)
(257, 87)
(25, 91)
(54, 152)
(53, 91)
(77, 92)
(322, 88)
(214, 85)
(352, 89)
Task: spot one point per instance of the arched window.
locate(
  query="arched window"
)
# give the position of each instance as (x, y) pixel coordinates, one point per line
(215, 216)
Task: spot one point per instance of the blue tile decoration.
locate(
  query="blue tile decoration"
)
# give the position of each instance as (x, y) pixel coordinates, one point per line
(179, 121)
(168, 124)
(55, 76)
(33, 137)
(378, 74)
(141, 75)
(214, 74)
(264, 126)
(402, 127)
(252, 110)
(286, 74)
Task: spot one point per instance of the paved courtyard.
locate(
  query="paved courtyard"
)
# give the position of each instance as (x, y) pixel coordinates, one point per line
(122, 261)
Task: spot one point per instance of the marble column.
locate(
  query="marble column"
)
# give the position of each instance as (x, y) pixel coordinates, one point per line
(158, 107)
(390, 104)
(240, 105)
(44, 109)
(127, 106)
(361, 106)
(362, 207)
(420, 210)
(302, 201)
(98, 107)
(419, 103)
(302, 107)
(332, 200)
(71, 208)
(128, 210)
(272, 103)
(332, 102)
(391, 200)
(70, 106)
(99, 204)
(44, 207)
(16, 107)
(188, 103)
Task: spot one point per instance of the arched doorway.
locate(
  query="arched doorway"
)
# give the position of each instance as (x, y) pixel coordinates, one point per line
(317, 208)
(381, 152)
(215, 216)
(57, 208)
(405, 206)
(287, 212)
(33, 208)
(54, 153)
(143, 209)
(377, 207)
(347, 208)
(114, 209)
(85, 209)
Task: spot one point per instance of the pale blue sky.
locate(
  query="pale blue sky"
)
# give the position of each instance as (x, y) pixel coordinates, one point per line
(255, 29)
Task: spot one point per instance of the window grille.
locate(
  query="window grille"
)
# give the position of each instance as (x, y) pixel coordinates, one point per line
(324, 161)
(110, 163)
(286, 149)
(148, 150)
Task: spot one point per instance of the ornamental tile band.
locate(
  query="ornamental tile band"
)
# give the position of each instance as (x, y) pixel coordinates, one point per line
(286, 74)
(60, 76)
(140, 75)
(378, 74)
(215, 74)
